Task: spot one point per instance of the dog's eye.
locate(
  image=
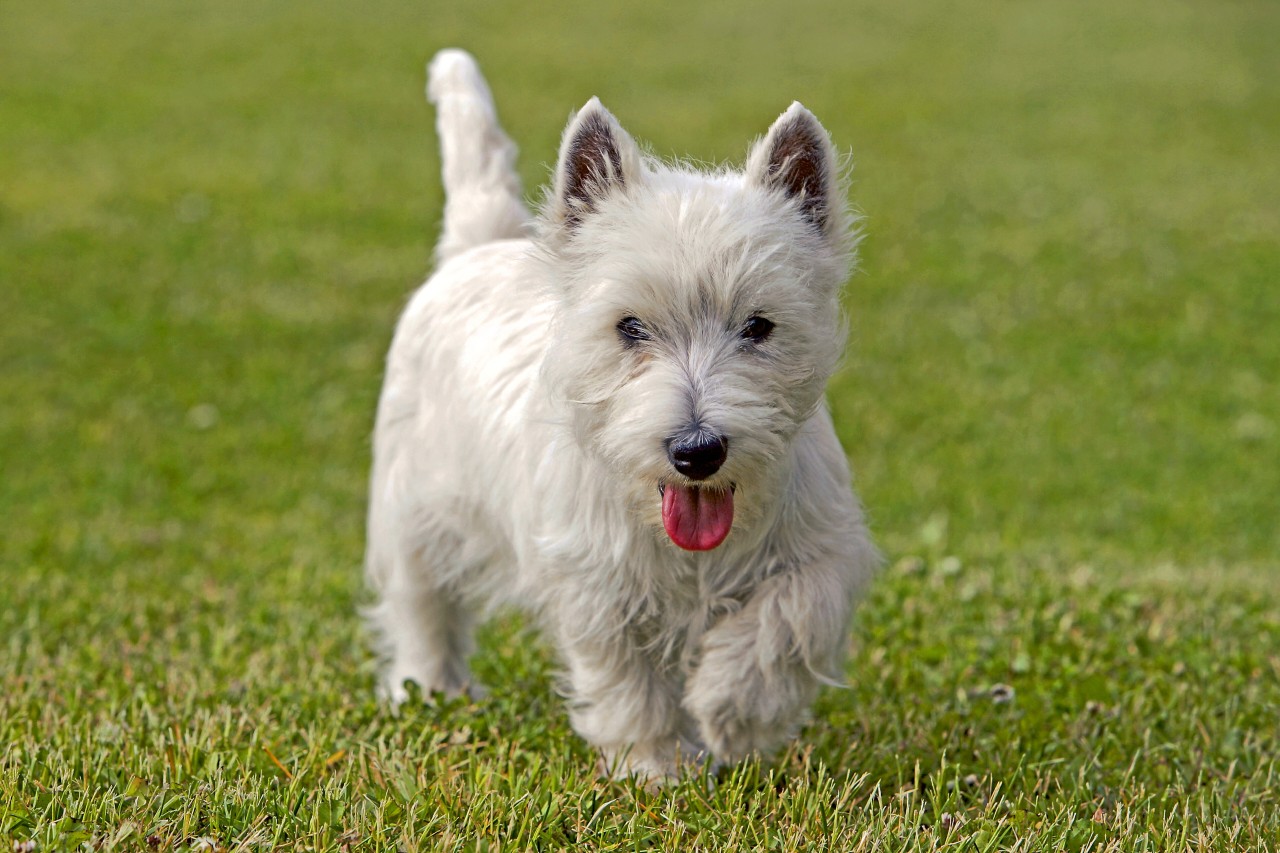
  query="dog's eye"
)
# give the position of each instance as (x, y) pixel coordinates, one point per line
(633, 331)
(757, 329)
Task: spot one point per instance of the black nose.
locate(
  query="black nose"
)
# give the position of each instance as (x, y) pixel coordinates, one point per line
(698, 456)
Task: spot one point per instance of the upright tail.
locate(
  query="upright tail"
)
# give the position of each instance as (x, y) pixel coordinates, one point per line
(482, 189)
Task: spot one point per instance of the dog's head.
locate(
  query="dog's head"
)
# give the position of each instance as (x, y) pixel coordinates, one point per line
(698, 320)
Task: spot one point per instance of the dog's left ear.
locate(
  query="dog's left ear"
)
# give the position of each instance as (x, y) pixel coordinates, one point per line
(797, 158)
(597, 157)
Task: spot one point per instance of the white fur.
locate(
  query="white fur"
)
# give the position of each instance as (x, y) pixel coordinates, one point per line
(520, 445)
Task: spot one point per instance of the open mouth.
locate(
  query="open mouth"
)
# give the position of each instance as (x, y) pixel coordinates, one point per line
(697, 518)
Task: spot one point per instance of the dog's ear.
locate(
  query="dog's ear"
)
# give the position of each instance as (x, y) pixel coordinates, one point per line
(597, 157)
(797, 158)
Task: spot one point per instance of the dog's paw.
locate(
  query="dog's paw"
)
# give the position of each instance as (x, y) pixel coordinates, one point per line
(732, 728)
(396, 691)
(743, 708)
(651, 771)
(654, 765)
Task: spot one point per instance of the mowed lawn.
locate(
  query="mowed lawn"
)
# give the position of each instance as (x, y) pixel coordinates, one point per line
(1061, 398)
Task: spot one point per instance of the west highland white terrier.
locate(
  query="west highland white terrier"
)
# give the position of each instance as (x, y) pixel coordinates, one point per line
(612, 416)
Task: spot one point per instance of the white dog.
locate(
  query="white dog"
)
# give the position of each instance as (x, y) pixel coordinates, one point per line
(612, 415)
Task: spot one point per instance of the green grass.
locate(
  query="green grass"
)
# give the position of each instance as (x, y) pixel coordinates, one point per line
(1062, 398)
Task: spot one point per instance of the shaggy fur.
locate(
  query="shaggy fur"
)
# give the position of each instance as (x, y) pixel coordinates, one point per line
(527, 436)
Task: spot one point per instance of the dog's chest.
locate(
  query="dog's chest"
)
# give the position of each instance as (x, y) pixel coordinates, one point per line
(682, 600)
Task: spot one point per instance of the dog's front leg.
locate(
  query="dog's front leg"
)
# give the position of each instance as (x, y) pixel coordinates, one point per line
(759, 668)
(626, 707)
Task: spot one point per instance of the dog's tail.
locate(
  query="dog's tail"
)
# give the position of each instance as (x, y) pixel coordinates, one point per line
(482, 189)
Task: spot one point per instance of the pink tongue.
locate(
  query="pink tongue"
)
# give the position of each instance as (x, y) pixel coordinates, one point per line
(697, 519)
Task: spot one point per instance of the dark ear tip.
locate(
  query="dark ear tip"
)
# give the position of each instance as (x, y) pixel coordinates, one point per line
(799, 160)
(591, 160)
(595, 115)
(798, 109)
(800, 117)
(593, 128)
(799, 122)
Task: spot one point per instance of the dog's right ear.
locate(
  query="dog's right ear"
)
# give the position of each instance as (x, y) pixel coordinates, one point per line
(797, 159)
(597, 157)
